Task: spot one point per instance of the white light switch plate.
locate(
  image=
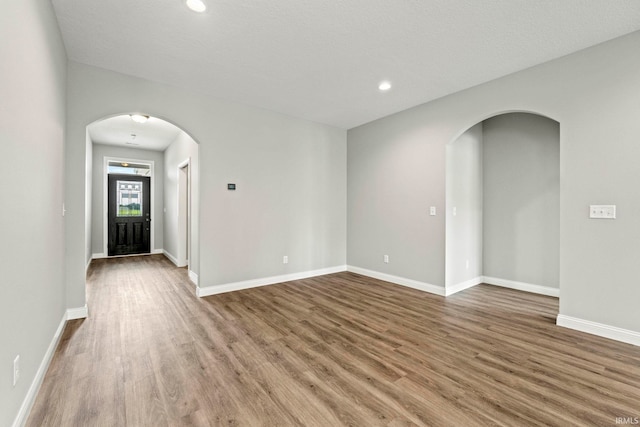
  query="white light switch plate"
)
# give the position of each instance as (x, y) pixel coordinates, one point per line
(602, 211)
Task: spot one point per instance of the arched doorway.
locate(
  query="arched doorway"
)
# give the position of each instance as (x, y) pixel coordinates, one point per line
(502, 197)
(169, 156)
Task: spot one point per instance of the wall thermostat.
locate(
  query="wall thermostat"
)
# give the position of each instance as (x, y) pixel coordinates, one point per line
(231, 186)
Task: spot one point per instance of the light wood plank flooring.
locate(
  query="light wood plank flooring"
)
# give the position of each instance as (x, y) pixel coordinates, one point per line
(335, 350)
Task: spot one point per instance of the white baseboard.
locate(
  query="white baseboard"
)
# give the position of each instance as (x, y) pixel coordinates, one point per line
(30, 398)
(193, 277)
(157, 251)
(77, 313)
(86, 267)
(410, 283)
(521, 286)
(599, 329)
(173, 259)
(98, 256)
(450, 290)
(230, 287)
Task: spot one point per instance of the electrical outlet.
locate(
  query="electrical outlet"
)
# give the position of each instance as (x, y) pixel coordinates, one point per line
(16, 369)
(386, 259)
(285, 259)
(602, 211)
(432, 210)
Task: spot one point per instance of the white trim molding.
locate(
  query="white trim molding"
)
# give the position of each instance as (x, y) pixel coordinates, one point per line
(77, 313)
(521, 286)
(193, 277)
(599, 329)
(30, 398)
(172, 258)
(98, 256)
(236, 286)
(410, 283)
(184, 213)
(450, 290)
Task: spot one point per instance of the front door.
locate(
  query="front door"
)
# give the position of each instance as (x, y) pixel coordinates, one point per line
(129, 215)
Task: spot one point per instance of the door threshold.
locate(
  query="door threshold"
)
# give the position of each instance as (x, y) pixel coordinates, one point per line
(130, 255)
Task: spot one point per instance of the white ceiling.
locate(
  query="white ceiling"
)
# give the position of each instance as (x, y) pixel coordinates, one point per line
(322, 60)
(156, 134)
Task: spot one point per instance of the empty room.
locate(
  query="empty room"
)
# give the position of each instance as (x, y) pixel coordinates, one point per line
(311, 213)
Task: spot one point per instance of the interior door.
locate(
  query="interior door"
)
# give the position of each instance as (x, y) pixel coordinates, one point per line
(129, 214)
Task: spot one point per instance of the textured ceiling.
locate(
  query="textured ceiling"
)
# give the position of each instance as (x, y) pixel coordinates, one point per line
(156, 134)
(322, 60)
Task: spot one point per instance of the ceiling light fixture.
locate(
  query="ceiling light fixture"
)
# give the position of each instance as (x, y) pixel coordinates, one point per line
(384, 86)
(196, 5)
(139, 118)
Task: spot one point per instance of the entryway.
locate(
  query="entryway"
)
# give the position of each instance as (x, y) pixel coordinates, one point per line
(143, 190)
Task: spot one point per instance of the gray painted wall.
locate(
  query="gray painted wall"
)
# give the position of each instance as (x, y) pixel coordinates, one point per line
(522, 199)
(100, 151)
(395, 174)
(396, 171)
(464, 233)
(183, 148)
(32, 119)
(290, 173)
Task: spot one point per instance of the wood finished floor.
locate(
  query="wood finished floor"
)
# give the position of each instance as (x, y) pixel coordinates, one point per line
(335, 350)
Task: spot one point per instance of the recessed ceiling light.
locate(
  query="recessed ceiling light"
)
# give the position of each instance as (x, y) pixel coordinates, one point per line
(196, 5)
(384, 86)
(139, 118)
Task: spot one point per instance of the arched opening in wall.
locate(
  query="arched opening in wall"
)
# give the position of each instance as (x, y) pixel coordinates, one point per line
(141, 188)
(503, 205)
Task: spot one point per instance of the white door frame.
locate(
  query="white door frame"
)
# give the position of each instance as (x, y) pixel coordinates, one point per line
(105, 199)
(185, 251)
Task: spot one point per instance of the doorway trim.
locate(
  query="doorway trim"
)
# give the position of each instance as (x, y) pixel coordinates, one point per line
(185, 238)
(105, 200)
